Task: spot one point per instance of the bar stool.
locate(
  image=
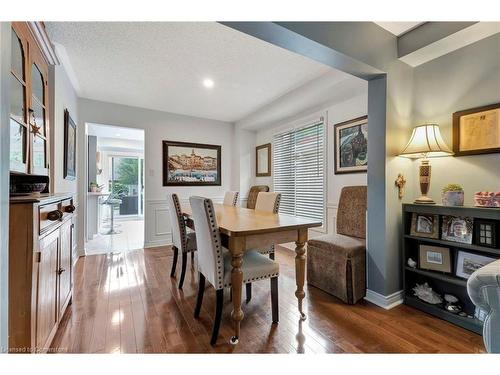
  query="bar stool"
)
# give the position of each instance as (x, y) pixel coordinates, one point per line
(112, 203)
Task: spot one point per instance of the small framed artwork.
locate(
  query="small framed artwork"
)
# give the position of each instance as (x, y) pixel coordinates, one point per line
(434, 258)
(486, 233)
(69, 167)
(351, 146)
(191, 164)
(467, 263)
(424, 225)
(457, 229)
(477, 130)
(263, 160)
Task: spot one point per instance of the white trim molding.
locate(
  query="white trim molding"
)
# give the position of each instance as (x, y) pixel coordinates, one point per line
(42, 39)
(386, 302)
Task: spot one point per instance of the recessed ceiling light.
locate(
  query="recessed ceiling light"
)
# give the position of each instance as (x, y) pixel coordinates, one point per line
(208, 83)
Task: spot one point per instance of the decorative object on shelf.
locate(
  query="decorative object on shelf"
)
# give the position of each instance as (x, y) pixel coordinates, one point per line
(487, 199)
(69, 147)
(486, 233)
(452, 304)
(27, 188)
(457, 229)
(411, 263)
(434, 258)
(263, 160)
(426, 294)
(477, 130)
(423, 225)
(400, 183)
(351, 146)
(191, 164)
(452, 195)
(425, 142)
(462, 314)
(95, 188)
(467, 263)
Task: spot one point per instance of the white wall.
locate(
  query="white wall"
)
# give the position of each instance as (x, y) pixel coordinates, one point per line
(333, 114)
(159, 126)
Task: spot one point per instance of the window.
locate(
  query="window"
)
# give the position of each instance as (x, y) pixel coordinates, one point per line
(298, 162)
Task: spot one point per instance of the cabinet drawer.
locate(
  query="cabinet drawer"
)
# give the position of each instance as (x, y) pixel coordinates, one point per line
(49, 216)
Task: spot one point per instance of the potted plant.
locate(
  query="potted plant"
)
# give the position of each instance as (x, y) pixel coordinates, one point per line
(453, 195)
(94, 188)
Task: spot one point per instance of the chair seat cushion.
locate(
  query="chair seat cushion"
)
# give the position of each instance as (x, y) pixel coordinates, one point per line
(191, 241)
(255, 267)
(347, 246)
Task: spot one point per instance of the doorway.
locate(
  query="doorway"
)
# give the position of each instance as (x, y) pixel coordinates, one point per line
(115, 196)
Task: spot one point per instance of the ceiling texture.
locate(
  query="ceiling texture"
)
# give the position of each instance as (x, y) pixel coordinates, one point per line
(161, 66)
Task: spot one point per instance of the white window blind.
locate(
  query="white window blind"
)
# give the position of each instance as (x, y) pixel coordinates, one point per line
(298, 170)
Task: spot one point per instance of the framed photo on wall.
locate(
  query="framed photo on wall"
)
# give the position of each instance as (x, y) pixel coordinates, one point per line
(191, 164)
(477, 130)
(69, 168)
(351, 146)
(424, 225)
(263, 160)
(434, 258)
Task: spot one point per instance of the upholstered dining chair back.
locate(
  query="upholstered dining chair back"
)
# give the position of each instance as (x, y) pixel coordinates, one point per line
(268, 202)
(231, 198)
(253, 193)
(177, 222)
(210, 257)
(351, 213)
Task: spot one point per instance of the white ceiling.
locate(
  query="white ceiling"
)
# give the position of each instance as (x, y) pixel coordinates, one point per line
(399, 28)
(118, 132)
(162, 65)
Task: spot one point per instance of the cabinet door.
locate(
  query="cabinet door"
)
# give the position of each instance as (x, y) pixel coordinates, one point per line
(64, 270)
(46, 307)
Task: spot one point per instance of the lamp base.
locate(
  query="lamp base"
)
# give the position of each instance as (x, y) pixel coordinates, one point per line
(424, 199)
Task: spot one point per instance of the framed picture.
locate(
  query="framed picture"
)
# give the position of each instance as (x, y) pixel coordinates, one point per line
(434, 258)
(486, 233)
(424, 225)
(467, 263)
(457, 229)
(351, 146)
(477, 130)
(191, 164)
(69, 168)
(263, 160)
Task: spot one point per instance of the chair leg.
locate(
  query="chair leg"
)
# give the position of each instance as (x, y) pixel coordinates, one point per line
(218, 315)
(274, 299)
(248, 291)
(201, 291)
(192, 258)
(183, 271)
(174, 261)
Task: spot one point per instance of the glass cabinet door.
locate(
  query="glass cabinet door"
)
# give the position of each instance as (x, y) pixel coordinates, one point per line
(18, 107)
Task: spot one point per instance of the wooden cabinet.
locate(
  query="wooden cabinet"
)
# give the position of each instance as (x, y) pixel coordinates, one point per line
(29, 95)
(40, 269)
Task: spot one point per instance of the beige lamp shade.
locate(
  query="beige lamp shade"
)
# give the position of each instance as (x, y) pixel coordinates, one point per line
(426, 142)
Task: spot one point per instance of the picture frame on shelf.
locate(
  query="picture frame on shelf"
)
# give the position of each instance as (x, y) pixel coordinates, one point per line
(351, 146)
(486, 233)
(467, 263)
(457, 229)
(263, 160)
(477, 130)
(425, 225)
(434, 258)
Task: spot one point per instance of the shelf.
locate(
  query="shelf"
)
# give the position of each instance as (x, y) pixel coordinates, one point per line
(492, 213)
(439, 276)
(472, 324)
(461, 245)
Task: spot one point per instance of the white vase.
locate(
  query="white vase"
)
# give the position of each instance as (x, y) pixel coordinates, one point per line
(453, 198)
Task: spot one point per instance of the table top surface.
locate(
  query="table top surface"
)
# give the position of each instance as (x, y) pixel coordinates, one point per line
(239, 221)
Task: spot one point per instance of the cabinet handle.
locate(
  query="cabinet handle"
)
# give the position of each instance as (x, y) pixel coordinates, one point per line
(60, 270)
(54, 215)
(71, 208)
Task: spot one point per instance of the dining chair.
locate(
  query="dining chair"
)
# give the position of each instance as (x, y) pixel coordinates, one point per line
(253, 193)
(268, 202)
(181, 239)
(231, 198)
(214, 263)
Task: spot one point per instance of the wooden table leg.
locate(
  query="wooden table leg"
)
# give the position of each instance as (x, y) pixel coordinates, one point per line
(300, 268)
(236, 247)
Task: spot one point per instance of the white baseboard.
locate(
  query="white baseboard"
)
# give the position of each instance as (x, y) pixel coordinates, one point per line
(149, 244)
(386, 302)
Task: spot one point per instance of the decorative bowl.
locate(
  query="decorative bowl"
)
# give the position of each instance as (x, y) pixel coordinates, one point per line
(487, 199)
(27, 188)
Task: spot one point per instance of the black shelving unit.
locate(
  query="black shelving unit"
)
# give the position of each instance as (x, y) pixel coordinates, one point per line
(439, 281)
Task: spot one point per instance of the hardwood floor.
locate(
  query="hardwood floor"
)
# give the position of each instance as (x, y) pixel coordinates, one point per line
(127, 303)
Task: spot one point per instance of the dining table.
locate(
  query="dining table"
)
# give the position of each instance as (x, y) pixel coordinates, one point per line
(243, 229)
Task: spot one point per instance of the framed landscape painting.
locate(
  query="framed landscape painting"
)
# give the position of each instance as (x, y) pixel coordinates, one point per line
(69, 147)
(351, 146)
(191, 164)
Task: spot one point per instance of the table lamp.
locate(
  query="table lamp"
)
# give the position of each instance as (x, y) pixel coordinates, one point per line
(425, 142)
